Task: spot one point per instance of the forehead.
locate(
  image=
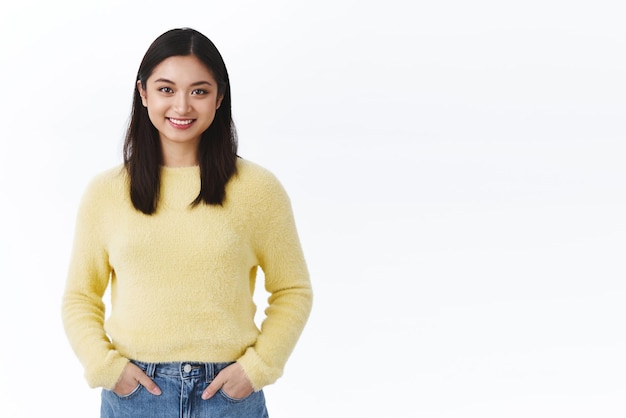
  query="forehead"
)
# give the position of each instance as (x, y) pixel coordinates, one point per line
(181, 69)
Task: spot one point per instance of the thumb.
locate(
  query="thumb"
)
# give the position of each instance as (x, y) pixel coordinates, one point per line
(213, 387)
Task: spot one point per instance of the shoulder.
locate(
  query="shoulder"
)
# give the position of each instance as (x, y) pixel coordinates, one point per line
(255, 183)
(107, 184)
(250, 174)
(251, 171)
(112, 175)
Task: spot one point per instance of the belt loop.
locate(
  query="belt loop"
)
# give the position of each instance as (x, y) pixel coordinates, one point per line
(210, 374)
(150, 368)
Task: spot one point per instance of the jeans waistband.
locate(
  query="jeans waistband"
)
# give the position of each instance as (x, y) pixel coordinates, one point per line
(183, 370)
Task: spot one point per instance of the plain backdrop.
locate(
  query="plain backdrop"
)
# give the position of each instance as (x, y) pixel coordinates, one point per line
(456, 170)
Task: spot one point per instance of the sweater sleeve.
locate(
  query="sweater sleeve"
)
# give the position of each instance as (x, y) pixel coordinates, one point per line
(287, 281)
(83, 309)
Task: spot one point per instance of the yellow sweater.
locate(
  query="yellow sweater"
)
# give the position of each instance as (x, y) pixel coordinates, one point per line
(182, 279)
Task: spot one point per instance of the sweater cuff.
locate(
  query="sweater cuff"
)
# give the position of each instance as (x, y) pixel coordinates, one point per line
(260, 373)
(108, 372)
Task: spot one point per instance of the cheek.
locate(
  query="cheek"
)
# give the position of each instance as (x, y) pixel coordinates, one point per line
(208, 108)
(209, 112)
(155, 115)
(155, 108)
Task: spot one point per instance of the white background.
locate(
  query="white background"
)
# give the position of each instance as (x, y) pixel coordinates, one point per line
(457, 174)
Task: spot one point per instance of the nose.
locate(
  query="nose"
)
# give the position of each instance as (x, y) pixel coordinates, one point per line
(181, 103)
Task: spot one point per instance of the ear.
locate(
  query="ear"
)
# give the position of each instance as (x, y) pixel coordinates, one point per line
(219, 101)
(143, 94)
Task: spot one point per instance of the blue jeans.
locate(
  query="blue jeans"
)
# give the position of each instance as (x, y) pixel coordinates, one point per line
(181, 385)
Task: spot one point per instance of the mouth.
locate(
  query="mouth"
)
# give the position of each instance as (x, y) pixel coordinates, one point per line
(180, 123)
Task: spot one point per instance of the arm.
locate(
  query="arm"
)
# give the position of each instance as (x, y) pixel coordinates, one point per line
(82, 307)
(286, 279)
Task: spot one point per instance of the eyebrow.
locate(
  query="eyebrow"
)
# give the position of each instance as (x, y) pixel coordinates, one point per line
(197, 83)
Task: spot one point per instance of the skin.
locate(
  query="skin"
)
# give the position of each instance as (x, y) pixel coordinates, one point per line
(182, 97)
(232, 380)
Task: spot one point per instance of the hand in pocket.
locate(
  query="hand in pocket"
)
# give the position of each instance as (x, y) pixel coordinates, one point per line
(131, 377)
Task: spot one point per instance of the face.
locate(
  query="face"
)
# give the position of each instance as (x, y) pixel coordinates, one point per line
(181, 97)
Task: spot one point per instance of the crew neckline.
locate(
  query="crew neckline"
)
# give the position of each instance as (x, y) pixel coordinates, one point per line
(168, 167)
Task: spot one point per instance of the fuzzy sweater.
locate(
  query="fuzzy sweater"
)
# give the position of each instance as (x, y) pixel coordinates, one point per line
(181, 280)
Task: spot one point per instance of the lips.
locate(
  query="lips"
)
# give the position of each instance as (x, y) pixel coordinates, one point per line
(180, 123)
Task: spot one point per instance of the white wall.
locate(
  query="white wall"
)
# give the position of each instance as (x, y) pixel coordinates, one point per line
(457, 174)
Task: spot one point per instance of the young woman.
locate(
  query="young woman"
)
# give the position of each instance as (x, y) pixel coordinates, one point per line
(178, 232)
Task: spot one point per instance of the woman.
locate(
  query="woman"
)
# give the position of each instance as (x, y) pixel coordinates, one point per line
(178, 233)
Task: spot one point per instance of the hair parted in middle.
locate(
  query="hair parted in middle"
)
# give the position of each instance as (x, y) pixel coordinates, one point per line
(217, 149)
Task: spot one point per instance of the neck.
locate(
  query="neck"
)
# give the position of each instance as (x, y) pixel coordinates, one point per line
(179, 155)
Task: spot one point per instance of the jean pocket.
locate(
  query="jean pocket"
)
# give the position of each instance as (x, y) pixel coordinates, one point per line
(232, 399)
(129, 395)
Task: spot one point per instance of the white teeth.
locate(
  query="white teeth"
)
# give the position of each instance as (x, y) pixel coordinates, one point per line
(181, 122)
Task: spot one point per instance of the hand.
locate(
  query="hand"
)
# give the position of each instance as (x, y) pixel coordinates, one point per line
(233, 381)
(131, 377)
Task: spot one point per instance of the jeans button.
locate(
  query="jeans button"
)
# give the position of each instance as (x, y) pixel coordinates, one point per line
(187, 368)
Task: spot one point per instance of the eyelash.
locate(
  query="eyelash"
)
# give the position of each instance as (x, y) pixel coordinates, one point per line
(169, 90)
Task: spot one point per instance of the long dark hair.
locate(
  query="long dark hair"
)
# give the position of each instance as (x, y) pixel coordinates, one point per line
(217, 149)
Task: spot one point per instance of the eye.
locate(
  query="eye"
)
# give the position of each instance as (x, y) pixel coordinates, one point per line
(166, 90)
(199, 92)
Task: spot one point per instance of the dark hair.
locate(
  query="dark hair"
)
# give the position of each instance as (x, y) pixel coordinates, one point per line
(217, 149)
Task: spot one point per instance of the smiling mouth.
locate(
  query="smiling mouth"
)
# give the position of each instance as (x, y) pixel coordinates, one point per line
(181, 122)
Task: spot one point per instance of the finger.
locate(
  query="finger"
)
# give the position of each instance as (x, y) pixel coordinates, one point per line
(212, 389)
(148, 383)
(127, 381)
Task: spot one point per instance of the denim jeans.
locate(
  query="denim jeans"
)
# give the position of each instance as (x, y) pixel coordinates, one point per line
(181, 385)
